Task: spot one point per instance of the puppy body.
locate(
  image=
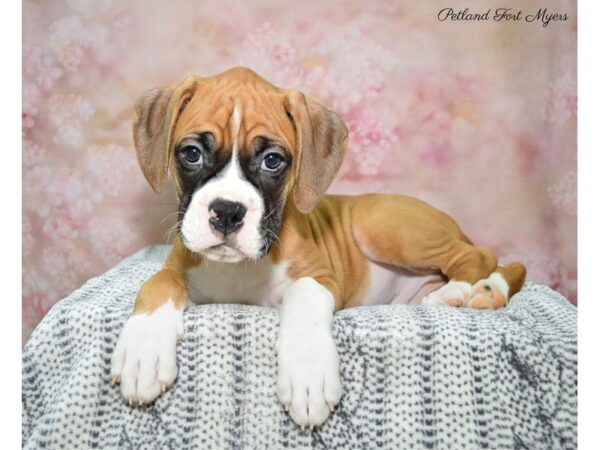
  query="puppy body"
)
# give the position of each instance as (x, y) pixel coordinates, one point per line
(251, 163)
(320, 245)
(362, 261)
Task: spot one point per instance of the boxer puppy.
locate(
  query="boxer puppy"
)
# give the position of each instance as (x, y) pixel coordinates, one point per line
(251, 163)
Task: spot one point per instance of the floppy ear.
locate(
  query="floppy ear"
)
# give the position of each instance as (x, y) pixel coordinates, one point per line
(321, 140)
(155, 116)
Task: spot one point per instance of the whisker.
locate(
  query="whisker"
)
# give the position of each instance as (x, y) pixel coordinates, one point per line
(276, 240)
(172, 229)
(274, 235)
(167, 216)
(270, 214)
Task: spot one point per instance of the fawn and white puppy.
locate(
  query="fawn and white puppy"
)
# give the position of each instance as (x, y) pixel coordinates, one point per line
(251, 163)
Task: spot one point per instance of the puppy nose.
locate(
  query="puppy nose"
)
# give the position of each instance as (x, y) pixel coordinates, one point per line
(226, 216)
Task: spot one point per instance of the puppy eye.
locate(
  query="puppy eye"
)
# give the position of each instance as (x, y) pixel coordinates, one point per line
(272, 162)
(191, 154)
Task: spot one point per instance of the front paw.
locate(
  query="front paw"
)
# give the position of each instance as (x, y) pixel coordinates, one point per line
(144, 360)
(308, 381)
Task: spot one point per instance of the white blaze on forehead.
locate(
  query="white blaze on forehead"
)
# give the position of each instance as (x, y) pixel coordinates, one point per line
(233, 169)
(235, 123)
(232, 174)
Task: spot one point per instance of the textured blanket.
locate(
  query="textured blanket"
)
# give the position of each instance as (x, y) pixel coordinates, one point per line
(413, 377)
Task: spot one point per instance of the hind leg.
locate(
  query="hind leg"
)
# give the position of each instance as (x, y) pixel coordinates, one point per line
(470, 272)
(408, 233)
(491, 292)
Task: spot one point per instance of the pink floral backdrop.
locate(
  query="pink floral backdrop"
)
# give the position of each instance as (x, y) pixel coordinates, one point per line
(479, 119)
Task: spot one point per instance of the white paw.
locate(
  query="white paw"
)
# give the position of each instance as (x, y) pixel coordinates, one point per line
(453, 293)
(489, 293)
(144, 360)
(308, 381)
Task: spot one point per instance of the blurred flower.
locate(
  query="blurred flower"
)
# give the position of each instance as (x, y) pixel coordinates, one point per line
(60, 226)
(67, 38)
(32, 153)
(561, 100)
(356, 71)
(27, 235)
(272, 56)
(68, 113)
(563, 194)
(44, 66)
(30, 107)
(35, 181)
(370, 144)
(113, 159)
(108, 236)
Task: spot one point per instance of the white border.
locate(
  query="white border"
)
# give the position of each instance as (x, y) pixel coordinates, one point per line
(10, 327)
(588, 235)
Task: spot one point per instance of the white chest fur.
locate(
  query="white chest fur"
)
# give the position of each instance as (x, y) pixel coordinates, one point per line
(256, 283)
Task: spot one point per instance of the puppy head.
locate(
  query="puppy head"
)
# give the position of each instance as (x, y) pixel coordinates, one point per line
(237, 147)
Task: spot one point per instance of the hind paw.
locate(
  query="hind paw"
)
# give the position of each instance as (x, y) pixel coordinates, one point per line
(454, 293)
(491, 293)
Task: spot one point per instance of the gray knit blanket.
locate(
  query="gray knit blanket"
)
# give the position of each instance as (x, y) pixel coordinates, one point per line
(414, 377)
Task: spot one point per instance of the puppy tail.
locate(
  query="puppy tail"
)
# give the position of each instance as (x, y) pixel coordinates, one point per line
(514, 274)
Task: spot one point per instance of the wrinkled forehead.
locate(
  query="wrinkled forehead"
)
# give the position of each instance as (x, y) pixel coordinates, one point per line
(237, 111)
